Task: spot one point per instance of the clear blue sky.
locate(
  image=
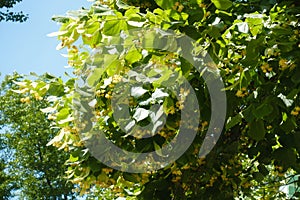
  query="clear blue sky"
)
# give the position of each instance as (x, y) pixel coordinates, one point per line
(24, 47)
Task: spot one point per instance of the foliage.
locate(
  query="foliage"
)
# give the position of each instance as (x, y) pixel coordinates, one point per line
(37, 170)
(9, 15)
(5, 181)
(255, 45)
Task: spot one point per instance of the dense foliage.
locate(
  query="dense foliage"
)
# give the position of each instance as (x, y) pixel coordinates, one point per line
(5, 182)
(255, 47)
(9, 15)
(35, 170)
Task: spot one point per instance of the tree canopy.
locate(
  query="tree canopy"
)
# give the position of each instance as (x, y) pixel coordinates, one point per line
(9, 15)
(35, 170)
(140, 66)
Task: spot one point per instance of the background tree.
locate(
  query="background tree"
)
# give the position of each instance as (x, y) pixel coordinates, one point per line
(255, 47)
(9, 15)
(6, 181)
(38, 170)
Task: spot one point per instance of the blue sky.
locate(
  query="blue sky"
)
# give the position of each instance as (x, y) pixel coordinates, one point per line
(25, 47)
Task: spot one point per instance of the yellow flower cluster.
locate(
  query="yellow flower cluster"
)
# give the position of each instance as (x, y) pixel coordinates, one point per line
(116, 78)
(177, 172)
(201, 161)
(266, 68)
(57, 144)
(108, 95)
(186, 167)
(102, 93)
(202, 5)
(166, 133)
(145, 5)
(211, 181)
(66, 41)
(38, 97)
(78, 144)
(269, 127)
(204, 124)
(25, 100)
(107, 170)
(296, 111)
(183, 94)
(176, 179)
(247, 184)
(283, 64)
(242, 92)
(227, 70)
(224, 177)
(179, 105)
(179, 7)
(132, 101)
(171, 110)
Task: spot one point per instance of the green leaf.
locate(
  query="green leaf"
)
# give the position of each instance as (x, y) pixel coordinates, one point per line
(165, 77)
(263, 170)
(252, 50)
(158, 150)
(168, 103)
(133, 56)
(214, 32)
(140, 114)
(91, 35)
(286, 155)
(136, 24)
(63, 114)
(48, 109)
(295, 77)
(137, 91)
(132, 14)
(103, 177)
(222, 4)
(58, 33)
(258, 176)
(72, 159)
(245, 78)
(129, 126)
(68, 119)
(130, 177)
(94, 165)
(134, 19)
(257, 130)
(101, 10)
(56, 89)
(122, 5)
(114, 25)
(263, 110)
(60, 19)
(233, 121)
(243, 27)
(255, 24)
(158, 93)
(149, 39)
(114, 67)
(95, 76)
(166, 4)
(289, 125)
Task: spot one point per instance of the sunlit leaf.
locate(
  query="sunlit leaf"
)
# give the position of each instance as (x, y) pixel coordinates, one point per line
(140, 114)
